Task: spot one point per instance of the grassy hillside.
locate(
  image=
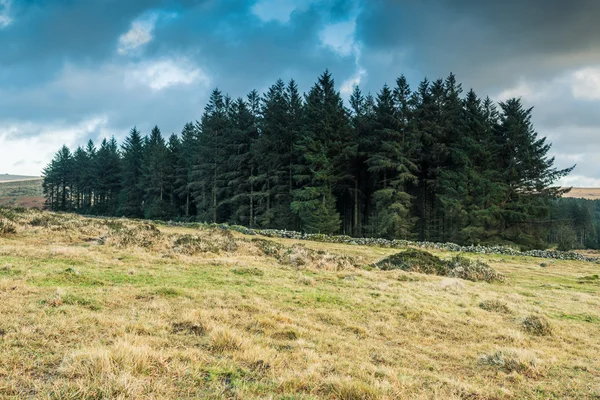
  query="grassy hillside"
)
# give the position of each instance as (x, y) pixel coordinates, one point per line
(584, 193)
(123, 309)
(8, 178)
(21, 193)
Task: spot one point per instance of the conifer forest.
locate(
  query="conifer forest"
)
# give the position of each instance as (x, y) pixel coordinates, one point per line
(430, 163)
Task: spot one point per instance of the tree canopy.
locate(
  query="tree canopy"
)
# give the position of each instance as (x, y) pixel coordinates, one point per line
(431, 163)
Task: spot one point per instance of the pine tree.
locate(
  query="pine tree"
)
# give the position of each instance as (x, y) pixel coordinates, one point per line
(155, 177)
(528, 175)
(207, 179)
(321, 145)
(58, 181)
(184, 167)
(79, 166)
(109, 178)
(243, 133)
(391, 166)
(131, 196)
(174, 149)
(273, 149)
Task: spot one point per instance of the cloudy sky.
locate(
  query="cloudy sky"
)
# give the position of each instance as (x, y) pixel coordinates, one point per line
(71, 70)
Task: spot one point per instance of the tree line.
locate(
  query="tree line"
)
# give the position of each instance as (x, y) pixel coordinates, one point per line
(576, 224)
(429, 164)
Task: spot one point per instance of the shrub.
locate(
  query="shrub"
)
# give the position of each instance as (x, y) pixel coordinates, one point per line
(495, 306)
(537, 325)
(211, 241)
(7, 227)
(414, 260)
(269, 247)
(470, 270)
(421, 261)
(144, 235)
(510, 360)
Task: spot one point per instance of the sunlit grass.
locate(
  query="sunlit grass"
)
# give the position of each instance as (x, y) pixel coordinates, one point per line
(88, 314)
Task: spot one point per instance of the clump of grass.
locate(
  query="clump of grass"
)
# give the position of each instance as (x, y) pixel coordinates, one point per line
(512, 360)
(300, 256)
(44, 221)
(10, 214)
(222, 340)
(191, 328)
(192, 244)
(210, 241)
(56, 300)
(495, 306)
(248, 271)
(473, 270)
(285, 335)
(269, 247)
(421, 261)
(110, 363)
(537, 325)
(589, 279)
(7, 227)
(414, 260)
(168, 292)
(9, 270)
(143, 235)
(348, 389)
(306, 280)
(114, 225)
(81, 301)
(72, 270)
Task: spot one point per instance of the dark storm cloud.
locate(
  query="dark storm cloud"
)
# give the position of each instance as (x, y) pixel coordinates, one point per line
(489, 43)
(62, 61)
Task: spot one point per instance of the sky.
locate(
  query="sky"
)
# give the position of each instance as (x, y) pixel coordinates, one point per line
(73, 70)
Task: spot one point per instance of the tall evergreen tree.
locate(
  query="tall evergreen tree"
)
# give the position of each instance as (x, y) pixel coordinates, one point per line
(207, 176)
(184, 167)
(131, 196)
(326, 132)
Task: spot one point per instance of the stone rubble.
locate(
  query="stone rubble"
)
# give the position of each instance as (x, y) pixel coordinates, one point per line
(379, 242)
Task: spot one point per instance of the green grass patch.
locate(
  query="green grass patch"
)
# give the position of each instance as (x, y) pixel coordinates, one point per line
(168, 292)
(592, 319)
(248, 271)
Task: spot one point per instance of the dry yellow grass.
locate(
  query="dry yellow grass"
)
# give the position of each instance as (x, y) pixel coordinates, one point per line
(584, 193)
(115, 310)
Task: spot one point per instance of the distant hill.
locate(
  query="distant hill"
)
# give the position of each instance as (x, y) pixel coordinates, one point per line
(584, 193)
(9, 178)
(21, 191)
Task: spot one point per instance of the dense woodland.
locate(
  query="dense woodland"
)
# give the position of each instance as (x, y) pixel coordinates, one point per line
(575, 224)
(431, 163)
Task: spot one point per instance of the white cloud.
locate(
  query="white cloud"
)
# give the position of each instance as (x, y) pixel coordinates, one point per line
(140, 33)
(355, 80)
(161, 74)
(340, 37)
(525, 90)
(579, 181)
(586, 84)
(27, 147)
(276, 10)
(5, 18)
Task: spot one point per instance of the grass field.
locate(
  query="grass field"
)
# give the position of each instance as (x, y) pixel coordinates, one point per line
(21, 193)
(8, 178)
(109, 309)
(584, 193)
